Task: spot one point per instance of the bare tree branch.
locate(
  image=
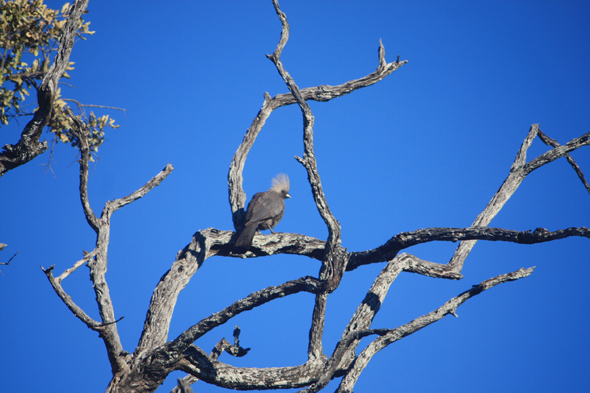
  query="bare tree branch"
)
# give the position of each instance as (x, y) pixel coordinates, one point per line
(409, 239)
(552, 142)
(323, 93)
(304, 284)
(2, 246)
(344, 353)
(67, 299)
(222, 346)
(97, 259)
(112, 206)
(29, 147)
(82, 106)
(159, 315)
(308, 160)
(334, 263)
(87, 256)
(293, 243)
(242, 378)
(326, 93)
(183, 387)
(450, 307)
(519, 170)
(155, 356)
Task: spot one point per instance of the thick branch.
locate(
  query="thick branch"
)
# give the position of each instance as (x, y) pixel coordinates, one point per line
(180, 354)
(159, 315)
(393, 335)
(29, 147)
(408, 239)
(222, 346)
(205, 244)
(344, 352)
(242, 378)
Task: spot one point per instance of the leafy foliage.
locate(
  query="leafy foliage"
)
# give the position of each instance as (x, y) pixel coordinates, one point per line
(31, 30)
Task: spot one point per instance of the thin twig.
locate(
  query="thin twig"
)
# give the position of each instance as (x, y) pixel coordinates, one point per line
(67, 299)
(87, 257)
(10, 260)
(552, 142)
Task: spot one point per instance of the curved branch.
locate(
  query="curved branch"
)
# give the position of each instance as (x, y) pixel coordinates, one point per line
(308, 160)
(362, 319)
(334, 263)
(245, 378)
(159, 314)
(181, 354)
(304, 284)
(203, 245)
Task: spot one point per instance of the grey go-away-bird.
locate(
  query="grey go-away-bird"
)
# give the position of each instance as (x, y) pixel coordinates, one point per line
(265, 210)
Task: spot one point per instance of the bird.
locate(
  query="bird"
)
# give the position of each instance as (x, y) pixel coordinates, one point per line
(265, 211)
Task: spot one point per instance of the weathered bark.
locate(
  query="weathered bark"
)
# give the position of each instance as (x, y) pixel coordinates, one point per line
(155, 356)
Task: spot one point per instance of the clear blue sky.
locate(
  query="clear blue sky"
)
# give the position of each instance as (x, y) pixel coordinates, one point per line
(426, 147)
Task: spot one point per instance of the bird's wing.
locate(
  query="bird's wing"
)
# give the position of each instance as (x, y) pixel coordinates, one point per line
(263, 205)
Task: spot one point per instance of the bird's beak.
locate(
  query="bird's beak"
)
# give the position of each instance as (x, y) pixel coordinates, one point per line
(287, 196)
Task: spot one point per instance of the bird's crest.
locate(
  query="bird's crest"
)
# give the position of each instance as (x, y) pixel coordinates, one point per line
(280, 183)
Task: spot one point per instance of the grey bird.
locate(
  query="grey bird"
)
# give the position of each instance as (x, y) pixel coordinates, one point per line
(265, 211)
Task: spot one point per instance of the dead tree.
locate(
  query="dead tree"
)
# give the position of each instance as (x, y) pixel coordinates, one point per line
(147, 366)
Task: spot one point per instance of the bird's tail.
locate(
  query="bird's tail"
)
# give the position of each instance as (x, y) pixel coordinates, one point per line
(244, 240)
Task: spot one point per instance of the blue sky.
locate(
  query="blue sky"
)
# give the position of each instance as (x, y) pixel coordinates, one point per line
(426, 147)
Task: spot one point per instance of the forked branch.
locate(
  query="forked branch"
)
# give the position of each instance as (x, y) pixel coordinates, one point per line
(97, 259)
(393, 335)
(552, 142)
(323, 93)
(518, 171)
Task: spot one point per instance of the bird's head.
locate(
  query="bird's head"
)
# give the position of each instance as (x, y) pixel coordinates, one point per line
(280, 185)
